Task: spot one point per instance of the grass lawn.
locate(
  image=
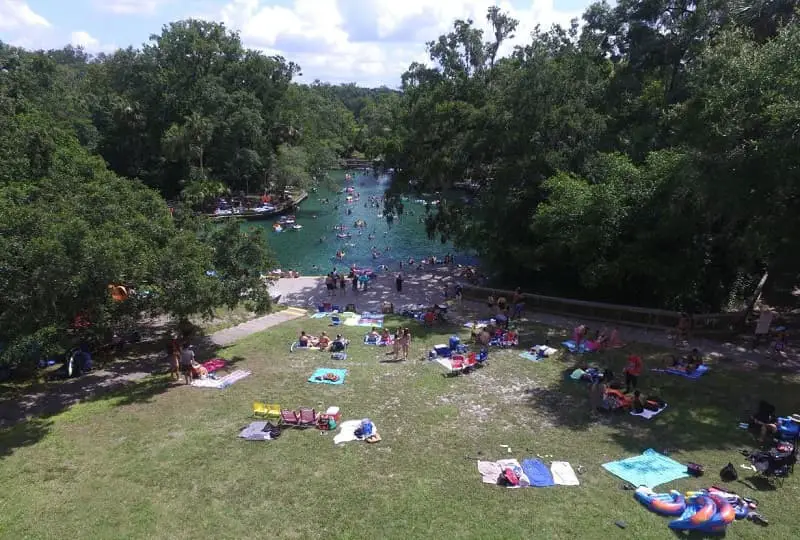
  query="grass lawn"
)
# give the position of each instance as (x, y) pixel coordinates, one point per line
(225, 318)
(163, 461)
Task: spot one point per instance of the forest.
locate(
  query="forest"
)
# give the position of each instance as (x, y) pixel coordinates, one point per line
(647, 154)
(92, 148)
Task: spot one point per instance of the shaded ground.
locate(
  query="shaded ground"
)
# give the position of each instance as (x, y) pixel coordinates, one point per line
(155, 447)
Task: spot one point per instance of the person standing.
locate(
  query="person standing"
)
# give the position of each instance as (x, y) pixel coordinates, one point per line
(175, 357)
(632, 372)
(343, 284)
(398, 282)
(406, 342)
(187, 358)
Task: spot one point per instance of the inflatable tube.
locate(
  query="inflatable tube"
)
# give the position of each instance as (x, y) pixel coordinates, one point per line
(118, 293)
(699, 512)
(666, 504)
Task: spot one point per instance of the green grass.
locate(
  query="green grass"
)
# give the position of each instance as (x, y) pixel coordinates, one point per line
(225, 318)
(163, 461)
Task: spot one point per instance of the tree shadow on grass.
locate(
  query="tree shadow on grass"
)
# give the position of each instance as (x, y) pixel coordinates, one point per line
(137, 375)
(702, 414)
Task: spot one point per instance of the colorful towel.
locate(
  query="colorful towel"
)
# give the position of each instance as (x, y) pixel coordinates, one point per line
(650, 469)
(214, 364)
(647, 414)
(696, 374)
(527, 355)
(563, 475)
(572, 347)
(538, 473)
(489, 471)
(378, 342)
(317, 376)
(222, 383)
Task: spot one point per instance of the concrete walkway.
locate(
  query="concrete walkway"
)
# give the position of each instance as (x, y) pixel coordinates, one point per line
(229, 336)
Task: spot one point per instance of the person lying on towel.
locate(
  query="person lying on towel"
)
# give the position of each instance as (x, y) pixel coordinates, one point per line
(639, 404)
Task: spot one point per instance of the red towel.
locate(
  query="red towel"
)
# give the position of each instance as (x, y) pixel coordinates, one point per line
(214, 364)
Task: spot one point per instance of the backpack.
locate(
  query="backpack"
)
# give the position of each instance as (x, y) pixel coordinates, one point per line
(696, 469)
(508, 478)
(728, 473)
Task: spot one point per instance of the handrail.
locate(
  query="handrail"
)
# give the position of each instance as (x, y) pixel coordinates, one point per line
(654, 318)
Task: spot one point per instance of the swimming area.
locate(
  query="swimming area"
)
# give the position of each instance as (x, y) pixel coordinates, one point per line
(312, 249)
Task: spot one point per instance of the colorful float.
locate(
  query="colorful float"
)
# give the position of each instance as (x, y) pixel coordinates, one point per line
(666, 504)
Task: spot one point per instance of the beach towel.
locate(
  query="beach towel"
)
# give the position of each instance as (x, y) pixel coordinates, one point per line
(317, 376)
(538, 473)
(448, 365)
(514, 465)
(577, 375)
(478, 325)
(696, 374)
(347, 431)
(378, 342)
(489, 471)
(319, 315)
(214, 364)
(222, 383)
(648, 414)
(527, 355)
(296, 347)
(572, 347)
(256, 432)
(650, 469)
(563, 475)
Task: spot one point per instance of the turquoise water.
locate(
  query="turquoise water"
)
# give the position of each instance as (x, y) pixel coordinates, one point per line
(301, 250)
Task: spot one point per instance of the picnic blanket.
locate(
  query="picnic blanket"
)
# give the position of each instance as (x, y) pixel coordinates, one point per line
(489, 471)
(650, 469)
(316, 377)
(378, 342)
(584, 347)
(347, 431)
(563, 475)
(543, 352)
(256, 431)
(527, 355)
(214, 364)
(224, 382)
(696, 374)
(648, 414)
(447, 364)
(538, 473)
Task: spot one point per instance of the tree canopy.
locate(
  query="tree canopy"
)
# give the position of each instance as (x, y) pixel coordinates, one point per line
(92, 148)
(643, 157)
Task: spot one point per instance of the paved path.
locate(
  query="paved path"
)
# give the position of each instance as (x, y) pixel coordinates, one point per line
(228, 336)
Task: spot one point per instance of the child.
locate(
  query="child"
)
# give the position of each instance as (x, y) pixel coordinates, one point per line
(632, 372)
(406, 342)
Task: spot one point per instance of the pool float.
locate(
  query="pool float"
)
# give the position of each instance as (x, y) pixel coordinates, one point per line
(741, 506)
(666, 504)
(699, 515)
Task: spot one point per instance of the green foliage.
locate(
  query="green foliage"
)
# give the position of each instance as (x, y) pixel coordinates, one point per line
(645, 158)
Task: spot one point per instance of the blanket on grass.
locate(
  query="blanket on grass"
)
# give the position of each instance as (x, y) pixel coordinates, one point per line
(650, 469)
(214, 364)
(563, 475)
(696, 374)
(317, 376)
(647, 414)
(372, 341)
(538, 473)
(224, 382)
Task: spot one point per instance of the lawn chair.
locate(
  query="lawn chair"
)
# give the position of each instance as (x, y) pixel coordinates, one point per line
(266, 410)
(336, 320)
(289, 418)
(775, 465)
(307, 417)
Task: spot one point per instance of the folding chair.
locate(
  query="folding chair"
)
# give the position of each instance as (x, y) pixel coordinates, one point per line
(289, 418)
(307, 417)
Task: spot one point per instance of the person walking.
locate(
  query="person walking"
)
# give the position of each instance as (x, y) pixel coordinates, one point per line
(406, 342)
(187, 358)
(398, 282)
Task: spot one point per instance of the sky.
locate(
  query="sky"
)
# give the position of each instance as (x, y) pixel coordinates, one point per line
(369, 42)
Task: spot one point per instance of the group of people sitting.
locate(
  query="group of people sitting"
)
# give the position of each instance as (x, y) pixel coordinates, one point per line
(601, 340)
(400, 341)
(323, 342)
(688, 363)
(502, 306)
(493, 333)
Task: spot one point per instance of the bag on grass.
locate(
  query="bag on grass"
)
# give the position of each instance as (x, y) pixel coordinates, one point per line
(728, 473)
(508, 478)
(695, 469)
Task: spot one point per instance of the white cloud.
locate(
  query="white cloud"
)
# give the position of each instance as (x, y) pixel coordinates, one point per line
(83, 39)
(368, 41)
(17, 14)
(128, 7)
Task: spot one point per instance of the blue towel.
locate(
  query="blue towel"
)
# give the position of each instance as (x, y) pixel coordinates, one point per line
(573, 348)
(696, 374)
(650, 469)
(319, 315)
(322, 371)
(538, 473)
(527, 355)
